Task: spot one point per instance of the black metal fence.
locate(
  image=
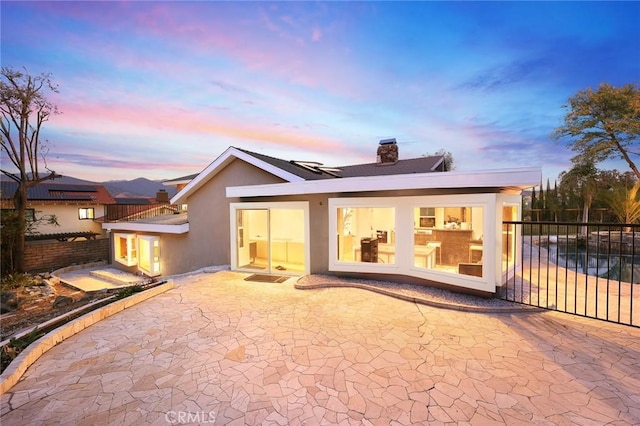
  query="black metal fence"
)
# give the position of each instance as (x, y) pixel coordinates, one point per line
(585, 269)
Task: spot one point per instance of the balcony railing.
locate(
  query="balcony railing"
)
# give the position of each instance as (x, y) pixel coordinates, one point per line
(133, 212)
(586, 269)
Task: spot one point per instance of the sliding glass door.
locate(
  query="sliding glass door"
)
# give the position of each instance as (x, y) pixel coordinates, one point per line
(271, 240)
(252, 239)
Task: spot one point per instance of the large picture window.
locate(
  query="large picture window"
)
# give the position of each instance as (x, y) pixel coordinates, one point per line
(366, 234)
(453, 240)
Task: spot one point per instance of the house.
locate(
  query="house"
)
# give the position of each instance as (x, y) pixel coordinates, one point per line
(392, 218)
(77, 208)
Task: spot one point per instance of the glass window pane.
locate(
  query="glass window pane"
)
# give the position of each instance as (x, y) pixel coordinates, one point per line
(509, 213)
(86, 213)
(449, 240)
(125, 249)
(366, 234)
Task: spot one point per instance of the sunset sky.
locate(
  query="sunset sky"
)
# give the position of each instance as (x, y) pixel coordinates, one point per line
(160, 89)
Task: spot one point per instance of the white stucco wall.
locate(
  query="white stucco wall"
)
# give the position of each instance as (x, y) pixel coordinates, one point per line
(67, 217)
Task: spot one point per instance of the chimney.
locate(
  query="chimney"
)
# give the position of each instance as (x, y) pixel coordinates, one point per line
(162, 196)
(387, 151)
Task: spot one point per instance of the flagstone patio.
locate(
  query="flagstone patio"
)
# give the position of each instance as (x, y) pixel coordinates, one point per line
(219, 349)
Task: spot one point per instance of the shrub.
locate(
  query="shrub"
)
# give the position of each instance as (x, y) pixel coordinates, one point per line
(16, 280)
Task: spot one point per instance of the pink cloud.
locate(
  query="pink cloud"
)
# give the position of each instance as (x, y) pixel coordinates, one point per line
(138, 119)
(302, 50)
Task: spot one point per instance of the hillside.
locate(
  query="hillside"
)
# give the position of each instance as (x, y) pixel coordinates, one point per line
(140, 187)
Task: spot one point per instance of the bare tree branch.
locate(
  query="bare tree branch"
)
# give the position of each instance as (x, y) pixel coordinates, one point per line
(24, 109)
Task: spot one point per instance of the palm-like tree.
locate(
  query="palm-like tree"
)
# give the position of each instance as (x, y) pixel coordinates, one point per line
(625, 202)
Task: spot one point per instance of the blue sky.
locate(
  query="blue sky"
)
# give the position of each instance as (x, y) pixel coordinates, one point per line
(159, 89)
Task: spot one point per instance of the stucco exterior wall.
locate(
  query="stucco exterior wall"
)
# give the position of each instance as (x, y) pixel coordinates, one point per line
(172, 254)
(67, 216)
(208, 240)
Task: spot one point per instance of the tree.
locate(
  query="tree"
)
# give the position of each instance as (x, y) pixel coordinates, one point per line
(24, 108)
(448, 158)
(582, 178)
(552, 203)
(625, 202)
(541, 201)
(12, 228)
(603, 124)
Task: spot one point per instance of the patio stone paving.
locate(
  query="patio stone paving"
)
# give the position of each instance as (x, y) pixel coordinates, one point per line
(218, 349)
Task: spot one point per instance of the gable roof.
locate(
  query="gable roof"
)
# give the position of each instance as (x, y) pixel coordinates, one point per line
(304, 171)
(400, 167)
(310, 170)
(229, 155)
(292, 167)
(48, 193)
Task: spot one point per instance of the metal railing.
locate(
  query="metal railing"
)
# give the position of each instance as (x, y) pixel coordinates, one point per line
(585, 269)
(133, 212)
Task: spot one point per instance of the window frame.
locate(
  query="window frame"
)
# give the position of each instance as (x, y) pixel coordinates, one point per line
(131, 248)
(153, 259)
(380, 237)
(404, 234)
(86, 210)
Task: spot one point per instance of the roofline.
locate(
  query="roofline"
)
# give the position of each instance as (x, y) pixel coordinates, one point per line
(179, 180)
(146, 227)
(223, 160)
(176, 182)
(435, 166)
(519, 178)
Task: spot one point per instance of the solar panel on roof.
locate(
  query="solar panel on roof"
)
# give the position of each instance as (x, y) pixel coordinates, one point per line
(72, 188)
(312, 166)
(62, 196)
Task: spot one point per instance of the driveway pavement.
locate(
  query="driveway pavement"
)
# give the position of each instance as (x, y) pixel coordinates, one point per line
(218, 349)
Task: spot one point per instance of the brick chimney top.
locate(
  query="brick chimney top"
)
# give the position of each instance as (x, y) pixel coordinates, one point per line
(162, 196)
(387, 152)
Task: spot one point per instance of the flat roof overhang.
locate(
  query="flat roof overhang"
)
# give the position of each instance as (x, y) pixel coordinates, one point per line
(146, 227)
(506, 179)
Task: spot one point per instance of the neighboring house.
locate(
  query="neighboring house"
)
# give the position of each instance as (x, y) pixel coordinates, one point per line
(393, 219)
(77, 208)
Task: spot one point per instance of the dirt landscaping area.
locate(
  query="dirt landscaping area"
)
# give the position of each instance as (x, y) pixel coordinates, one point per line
(35, 305)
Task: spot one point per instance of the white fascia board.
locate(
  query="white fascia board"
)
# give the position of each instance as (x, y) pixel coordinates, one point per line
(146, 227)
(521, 178)
(218, 164)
